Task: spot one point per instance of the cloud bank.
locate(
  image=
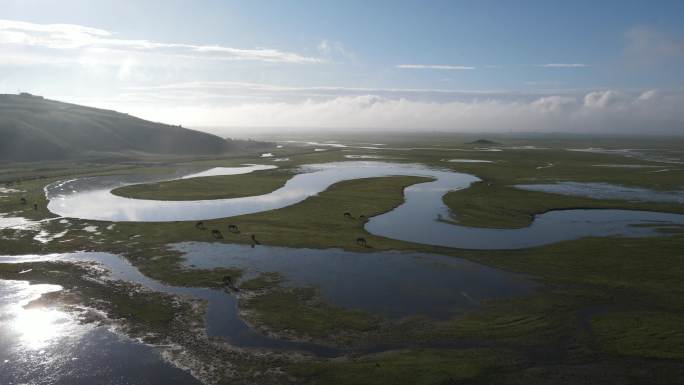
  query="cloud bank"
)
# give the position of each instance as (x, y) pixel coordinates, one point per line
(596, 111)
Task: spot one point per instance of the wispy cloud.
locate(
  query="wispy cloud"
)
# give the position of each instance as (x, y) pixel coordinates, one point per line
(647, 45)
(564, 65)
(75, 38)
(433, 67)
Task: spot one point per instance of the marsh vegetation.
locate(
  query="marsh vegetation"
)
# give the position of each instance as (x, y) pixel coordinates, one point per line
(602, 307)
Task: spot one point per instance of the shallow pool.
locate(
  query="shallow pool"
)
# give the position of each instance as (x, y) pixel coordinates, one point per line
(395, 284)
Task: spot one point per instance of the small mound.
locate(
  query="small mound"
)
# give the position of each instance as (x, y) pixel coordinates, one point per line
(485, 142)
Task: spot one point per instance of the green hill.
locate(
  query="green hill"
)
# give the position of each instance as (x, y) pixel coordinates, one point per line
(33, 128)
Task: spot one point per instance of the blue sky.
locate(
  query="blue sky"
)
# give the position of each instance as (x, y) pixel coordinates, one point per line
(552, 65)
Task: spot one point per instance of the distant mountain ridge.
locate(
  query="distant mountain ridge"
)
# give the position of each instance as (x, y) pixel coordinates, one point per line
(33, 128)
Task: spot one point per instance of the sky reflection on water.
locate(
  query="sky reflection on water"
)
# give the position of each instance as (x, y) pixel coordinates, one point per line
(45, 345)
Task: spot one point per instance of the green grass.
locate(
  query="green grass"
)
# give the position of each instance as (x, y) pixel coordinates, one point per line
(319, 221)
(638, 333)
(285, 310)
(491, 205)
(262, 282)
(415, 367)
(213, 187)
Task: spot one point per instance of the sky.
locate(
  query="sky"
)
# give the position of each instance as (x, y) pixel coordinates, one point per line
(259, 66)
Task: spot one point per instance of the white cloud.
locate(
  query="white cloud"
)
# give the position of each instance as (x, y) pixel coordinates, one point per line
(22, 36)
(434, 67)
(604, 99)
(564, 65)
(596, 111)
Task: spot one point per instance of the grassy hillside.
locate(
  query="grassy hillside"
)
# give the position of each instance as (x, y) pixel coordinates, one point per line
(33, 128)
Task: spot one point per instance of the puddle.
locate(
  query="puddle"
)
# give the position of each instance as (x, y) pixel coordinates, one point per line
(354, 156)
(467, 161)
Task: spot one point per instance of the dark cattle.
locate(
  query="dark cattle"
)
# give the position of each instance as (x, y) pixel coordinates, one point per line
(361, 242)
(347, 215)
(23, 200)
(35, 207)
(216, 234)
(254, 240)
(200, 225)
(233, 229)
(228, 282)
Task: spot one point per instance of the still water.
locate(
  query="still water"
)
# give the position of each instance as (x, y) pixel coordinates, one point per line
(221, 317)
(47, 345)
(395, 284)
(607, 191)
(44, 345)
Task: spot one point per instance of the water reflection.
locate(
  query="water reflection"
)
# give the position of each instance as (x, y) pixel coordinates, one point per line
(395, 284)
(221, 318)
(44, 345)
(33, 328)
(246, 169)
(98, 203)
(607, 191)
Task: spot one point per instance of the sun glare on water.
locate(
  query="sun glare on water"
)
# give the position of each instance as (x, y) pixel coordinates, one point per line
(35, 328)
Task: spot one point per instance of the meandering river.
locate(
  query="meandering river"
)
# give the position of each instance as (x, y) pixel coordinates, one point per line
(422, 218)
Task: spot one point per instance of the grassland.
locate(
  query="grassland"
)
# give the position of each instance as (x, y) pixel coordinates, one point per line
(218, 187)
(485, 204)
(607, 310)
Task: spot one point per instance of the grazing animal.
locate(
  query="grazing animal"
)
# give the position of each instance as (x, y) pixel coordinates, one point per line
(216, 234)
(362, 218)
(228, 282)
(347, 215)
(361, 242)
(23, 200)
(254, 240)
(200, 225)
(233, 229)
